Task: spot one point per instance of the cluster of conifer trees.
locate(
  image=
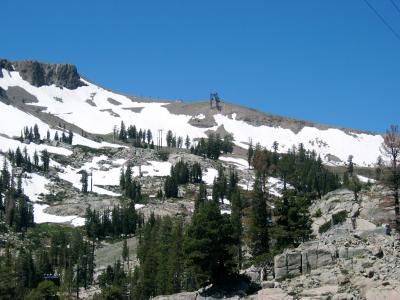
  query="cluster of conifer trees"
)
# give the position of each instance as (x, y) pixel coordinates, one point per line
(120, 220)
(141, 138)
(16, 210)
(181, 173)
(130, 187)
(22, 160)
(173, 259)
(54, 257)
(32, 134)
(213, 146)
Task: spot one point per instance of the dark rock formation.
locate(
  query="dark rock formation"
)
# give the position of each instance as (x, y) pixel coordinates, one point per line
(39, 74)
(5, 64)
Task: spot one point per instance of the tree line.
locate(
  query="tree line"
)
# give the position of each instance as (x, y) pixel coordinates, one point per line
(54, 264)
(16, 210)
(213, 146)
(120, 220)
(32, 135)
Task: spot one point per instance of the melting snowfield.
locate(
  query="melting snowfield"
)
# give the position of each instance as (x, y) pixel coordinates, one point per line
(97, 110)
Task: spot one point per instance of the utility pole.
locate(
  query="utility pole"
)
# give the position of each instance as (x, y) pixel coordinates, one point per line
(91, 181)
(160, 131)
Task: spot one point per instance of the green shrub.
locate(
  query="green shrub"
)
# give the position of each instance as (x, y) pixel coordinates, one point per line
(325, 227)
(163, 155)
(339, 217)
(318, 213)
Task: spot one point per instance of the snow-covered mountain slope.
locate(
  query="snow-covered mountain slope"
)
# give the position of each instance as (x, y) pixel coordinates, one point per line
(97, 111)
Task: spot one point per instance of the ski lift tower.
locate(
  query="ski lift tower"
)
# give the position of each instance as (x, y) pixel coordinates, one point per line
(215, 98)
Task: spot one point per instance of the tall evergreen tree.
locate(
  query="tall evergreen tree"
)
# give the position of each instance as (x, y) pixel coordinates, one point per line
(45, 157)
(259, 227)
(208, 245)
(187, 142)
(236, 220)
(122, 132)
(84, 181)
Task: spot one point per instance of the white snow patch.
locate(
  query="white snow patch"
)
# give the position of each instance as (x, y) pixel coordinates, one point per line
(100, 177)
(154, 168)
(35, 185)
(199, 117)
(240, 163)
(365, 179)
(209, 175)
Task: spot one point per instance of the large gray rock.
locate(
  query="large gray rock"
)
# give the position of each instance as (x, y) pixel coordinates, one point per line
(298, 261)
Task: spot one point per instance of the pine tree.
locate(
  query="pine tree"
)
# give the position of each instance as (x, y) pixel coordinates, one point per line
(201, 198)
(175, 262)
(170, 187)
(355, 186)
(19, 159)
(36, 159)
(125, 251)
(350, 165)
(173, 142)
(187, 142)
(149, 136)
(236, 220)
(36, 133)
(122, 132)
(179, 142)
(122, 179)
(208, 245)
(70, 137)
(379, 168)
(45, 157)
(169, 138)
(250, 153)
(293, 222)
(259, 227)
(84, 181)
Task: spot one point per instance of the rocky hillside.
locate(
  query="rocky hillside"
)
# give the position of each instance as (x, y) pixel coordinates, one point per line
(52, 108)
(355, 257)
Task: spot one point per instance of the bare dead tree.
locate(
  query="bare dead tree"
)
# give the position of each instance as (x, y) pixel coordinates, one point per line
(391, 147)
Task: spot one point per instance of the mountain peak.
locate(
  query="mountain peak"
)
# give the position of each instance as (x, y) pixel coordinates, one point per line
(39, 73)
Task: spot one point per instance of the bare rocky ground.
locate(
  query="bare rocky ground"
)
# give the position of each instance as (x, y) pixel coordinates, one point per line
(74, 202)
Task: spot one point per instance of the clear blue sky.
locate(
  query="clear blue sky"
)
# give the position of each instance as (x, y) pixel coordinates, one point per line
(332, 62)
